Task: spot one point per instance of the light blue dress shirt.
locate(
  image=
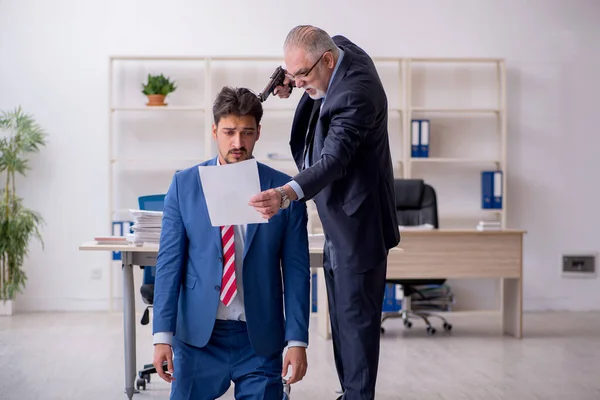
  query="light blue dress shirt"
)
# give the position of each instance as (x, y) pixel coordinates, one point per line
(293, 184)
(235, 310)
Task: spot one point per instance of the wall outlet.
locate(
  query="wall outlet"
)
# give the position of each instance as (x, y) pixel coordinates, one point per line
(579, 265)
(97, 274)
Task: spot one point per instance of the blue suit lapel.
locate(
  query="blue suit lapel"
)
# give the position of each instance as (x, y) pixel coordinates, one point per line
(251, 229)
(216, 230)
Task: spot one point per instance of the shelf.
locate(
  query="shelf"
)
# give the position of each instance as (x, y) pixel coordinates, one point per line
(457, 60)
(279, 109)
(452, 160)
(195, 58)
(268, 160)
(120, 210)
(457, 110)
(469, 221)
(158, 108)
(155, 160)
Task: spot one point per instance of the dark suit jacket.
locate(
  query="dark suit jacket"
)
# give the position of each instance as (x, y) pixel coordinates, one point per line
(351, 176)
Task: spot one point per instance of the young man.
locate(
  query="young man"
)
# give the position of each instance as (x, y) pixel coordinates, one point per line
(219, 291)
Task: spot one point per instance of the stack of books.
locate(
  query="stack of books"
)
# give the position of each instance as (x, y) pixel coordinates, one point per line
(489, 225)
(146, 227)
(111, 240)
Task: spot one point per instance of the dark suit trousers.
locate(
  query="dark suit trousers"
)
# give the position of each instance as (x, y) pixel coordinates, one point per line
(355, 305)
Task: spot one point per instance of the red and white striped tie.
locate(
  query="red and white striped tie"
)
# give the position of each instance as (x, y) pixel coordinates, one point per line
(228, 283)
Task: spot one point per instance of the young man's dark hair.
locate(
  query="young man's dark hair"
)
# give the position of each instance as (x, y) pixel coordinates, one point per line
(237, 101)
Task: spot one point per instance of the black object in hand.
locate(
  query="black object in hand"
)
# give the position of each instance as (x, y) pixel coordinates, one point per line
(275, 80)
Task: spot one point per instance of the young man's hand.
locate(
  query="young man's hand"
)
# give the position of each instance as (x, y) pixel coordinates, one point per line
(295, 357)
(162, 353)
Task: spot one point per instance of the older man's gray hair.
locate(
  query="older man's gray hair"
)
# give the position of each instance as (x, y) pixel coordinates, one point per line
(315, 41)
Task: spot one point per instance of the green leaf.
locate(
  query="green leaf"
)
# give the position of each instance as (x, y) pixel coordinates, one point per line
(158, 84)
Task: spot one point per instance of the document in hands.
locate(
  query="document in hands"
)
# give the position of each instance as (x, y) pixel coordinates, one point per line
(228, 189)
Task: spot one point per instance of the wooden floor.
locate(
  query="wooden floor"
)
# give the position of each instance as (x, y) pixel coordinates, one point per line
(80, 356)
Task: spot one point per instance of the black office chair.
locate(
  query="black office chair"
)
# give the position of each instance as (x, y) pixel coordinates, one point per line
(416, 204)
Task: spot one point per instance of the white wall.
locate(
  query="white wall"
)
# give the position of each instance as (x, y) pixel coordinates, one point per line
(54, 62)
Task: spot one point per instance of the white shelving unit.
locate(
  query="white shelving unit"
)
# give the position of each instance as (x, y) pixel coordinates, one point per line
(464, 99)
(460, 97)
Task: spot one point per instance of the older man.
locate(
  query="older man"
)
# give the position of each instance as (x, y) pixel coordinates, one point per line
(339, 141)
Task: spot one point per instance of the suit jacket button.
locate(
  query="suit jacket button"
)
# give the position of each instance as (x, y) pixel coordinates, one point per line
(221, 259)
(218, 288)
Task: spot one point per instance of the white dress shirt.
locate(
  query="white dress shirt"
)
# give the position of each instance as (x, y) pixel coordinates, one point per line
(235, 310)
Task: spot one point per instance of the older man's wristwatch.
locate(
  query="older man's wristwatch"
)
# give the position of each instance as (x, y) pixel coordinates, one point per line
(285, 200)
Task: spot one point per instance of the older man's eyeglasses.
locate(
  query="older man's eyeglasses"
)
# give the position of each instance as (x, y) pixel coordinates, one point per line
(304, 75)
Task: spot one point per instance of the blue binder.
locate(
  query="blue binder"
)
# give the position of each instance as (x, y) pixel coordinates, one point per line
(419, 131)
(118, 228)
(491, 189)
(415, 138)
(390, 302)
(497, 195)
(424, 142)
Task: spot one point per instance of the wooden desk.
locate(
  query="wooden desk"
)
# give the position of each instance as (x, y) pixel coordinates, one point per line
(145, 255)
(423, 254)
(454, 253)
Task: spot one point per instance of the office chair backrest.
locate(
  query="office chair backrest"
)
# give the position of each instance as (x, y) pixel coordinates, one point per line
(416, 203)
(154, 202)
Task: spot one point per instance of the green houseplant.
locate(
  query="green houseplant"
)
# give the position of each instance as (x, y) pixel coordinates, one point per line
(19, 137)
(157, 87)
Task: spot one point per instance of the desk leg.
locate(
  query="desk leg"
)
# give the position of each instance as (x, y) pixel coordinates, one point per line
(512, 307)
(323, 323)
(129, 324)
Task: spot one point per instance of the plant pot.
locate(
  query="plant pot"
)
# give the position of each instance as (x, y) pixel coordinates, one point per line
(156, 100)
(7, 307)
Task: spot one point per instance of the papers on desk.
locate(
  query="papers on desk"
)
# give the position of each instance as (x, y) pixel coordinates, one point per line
(492, 225)
(415, 227)
(146, 226)
(228, 190)
(111, 240)
(316, 240)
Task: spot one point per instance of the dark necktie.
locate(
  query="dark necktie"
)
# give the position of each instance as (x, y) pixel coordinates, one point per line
(312, 124)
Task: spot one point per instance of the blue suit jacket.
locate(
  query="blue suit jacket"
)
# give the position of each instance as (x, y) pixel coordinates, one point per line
(189, 268)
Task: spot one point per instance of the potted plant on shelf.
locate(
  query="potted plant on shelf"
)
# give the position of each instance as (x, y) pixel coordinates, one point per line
(19, 136)
(157, 88)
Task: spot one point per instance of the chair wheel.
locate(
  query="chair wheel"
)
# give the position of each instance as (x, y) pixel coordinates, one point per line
(140, 384)
(447, 326)
(407, 323)
(430, 330)
(146, 377)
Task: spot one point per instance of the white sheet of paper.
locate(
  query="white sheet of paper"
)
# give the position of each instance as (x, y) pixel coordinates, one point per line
(228, 189)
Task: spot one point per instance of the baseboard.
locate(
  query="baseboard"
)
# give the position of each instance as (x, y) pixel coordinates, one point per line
(560, 304)
(28, 304)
